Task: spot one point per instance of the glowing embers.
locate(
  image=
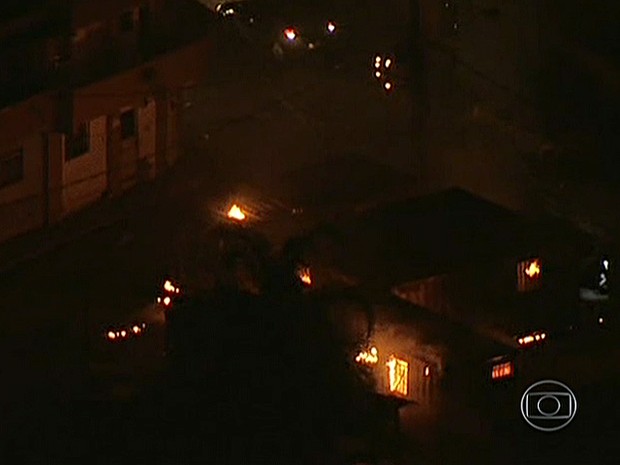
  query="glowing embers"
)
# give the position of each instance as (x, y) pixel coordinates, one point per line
(504, 370)
(368, 357)
(398, 376)
(536, 337)
(529, 274)
(169, 293)
(236, 213)
(124, 333)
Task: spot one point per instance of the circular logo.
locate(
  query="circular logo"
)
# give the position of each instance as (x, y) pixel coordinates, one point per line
(548, 405)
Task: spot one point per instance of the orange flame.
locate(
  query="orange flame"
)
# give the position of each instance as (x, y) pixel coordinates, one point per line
(533, 269)
(305, 276)
(370, 357)
(236, 213)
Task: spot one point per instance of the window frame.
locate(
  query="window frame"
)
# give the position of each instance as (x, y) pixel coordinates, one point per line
(80, 141)
(526, 283)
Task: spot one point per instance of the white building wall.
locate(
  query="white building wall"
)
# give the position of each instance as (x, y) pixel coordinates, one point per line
(85, 177)
(22, 203)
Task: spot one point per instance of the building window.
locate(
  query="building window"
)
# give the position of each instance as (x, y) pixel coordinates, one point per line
(128, 124)
(398, 376)
(529, 274)
(127, 21)
(11, 168)
(80, 143)
(502, 371)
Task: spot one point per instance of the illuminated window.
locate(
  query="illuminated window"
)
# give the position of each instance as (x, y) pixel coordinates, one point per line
(398, 376)
(11, 168)
(529, 273)
(503, 371)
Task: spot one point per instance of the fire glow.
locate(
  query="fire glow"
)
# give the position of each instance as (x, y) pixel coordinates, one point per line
(398, 376)
(236, 213)
(530, 339)
(303, 273)
(502, 371)
(126, 332)
(370, 357)
(533, 269)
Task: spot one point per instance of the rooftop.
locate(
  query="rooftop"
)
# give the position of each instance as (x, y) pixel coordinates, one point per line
(438, 233)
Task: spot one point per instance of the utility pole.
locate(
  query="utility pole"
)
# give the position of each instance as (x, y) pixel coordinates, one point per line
(419, 94)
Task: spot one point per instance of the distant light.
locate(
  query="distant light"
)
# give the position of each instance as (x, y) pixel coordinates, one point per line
(455, 26)
(290, 33)
(111, 335)
(377, 64)
(168, 286)
(377, 74)
(136, 329)
(123, 333)
(543, 335)
(387, 85)
(601, 320)
(606, 264)
(167, 301)
(427, 371)
(388, 62)
(377, 59)
(331, 27)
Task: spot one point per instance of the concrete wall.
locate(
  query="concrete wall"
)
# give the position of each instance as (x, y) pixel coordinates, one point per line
(23, 126)
(22, 205)
(85, 177)
(147, 133)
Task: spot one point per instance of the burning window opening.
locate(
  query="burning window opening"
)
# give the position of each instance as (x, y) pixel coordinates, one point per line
(304, 275)
(529, 273)
(502, 371)
(398, 376)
